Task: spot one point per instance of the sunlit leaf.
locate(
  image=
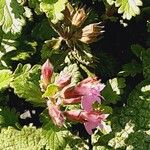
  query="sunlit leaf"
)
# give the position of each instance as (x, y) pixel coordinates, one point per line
(53, 9)
(50, 91)
(129, 8)
(26, 84)
(5, 78)
(11, 18)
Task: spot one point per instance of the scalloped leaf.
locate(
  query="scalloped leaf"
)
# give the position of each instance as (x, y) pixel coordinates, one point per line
(11, 18)
(60, 138)
(28, 138)
(131, 69)
(8, 117)
(26, 83)
(55, 135)
(144, 55)
(5, 78)
(130, 124)
(53, 9)
(129, 8)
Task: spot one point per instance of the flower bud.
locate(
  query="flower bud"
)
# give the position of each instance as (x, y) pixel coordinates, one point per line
(79, 17)
(55, 114)
(90, 33)
(46, 73)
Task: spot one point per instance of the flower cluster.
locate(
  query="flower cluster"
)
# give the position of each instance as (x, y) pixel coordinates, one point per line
(86, 93)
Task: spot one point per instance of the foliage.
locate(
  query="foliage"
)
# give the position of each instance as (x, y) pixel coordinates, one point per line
(8, 117)
(113, 90)
(5, 78)
(115, 64)
(127, 7)
(131, 124)
(26, 138)
(53, 9)
(11, 17)
(26, 83)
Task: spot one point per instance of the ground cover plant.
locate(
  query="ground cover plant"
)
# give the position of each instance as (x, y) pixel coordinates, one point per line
(74, 74)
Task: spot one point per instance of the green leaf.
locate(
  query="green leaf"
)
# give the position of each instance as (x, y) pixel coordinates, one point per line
(35, 5)
(113, 90)
(53, 9)
(52, 50)
(28, 138)
(11, 18)
(51, 90)
(26, 84)
(8, 117)
(55, 135)
(5, 78)
(146, 64)
(82, 54)
(43, 31)
(132, 69)
(130, 124)
(22, 51)
(137, 50)
(128, 8)
(144, 55)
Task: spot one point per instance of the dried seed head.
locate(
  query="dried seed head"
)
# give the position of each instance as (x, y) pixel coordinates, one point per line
(90, 33)
(68, 12)
(79, 17)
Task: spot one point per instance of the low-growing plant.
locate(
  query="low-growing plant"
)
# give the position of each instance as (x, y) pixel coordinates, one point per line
(74, 75)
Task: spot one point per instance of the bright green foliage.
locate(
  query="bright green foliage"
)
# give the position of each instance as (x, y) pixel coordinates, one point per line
(26, 83)
(130, 126)
(56, 138)
(60, 138)
(113, 90)
(28, 138)
(8, 117)
(11, 17)
(129, 8)
(51, 90)
(53, 9)
(5, 78)
(144, 55)
(55, 135)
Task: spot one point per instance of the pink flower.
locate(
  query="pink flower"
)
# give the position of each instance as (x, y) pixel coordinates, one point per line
(88, 90)
(46, 73)
(63, 80)
(90, 119)
(55, 114)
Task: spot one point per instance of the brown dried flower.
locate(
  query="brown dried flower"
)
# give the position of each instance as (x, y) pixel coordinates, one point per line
(79, 17)
(90, 33)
